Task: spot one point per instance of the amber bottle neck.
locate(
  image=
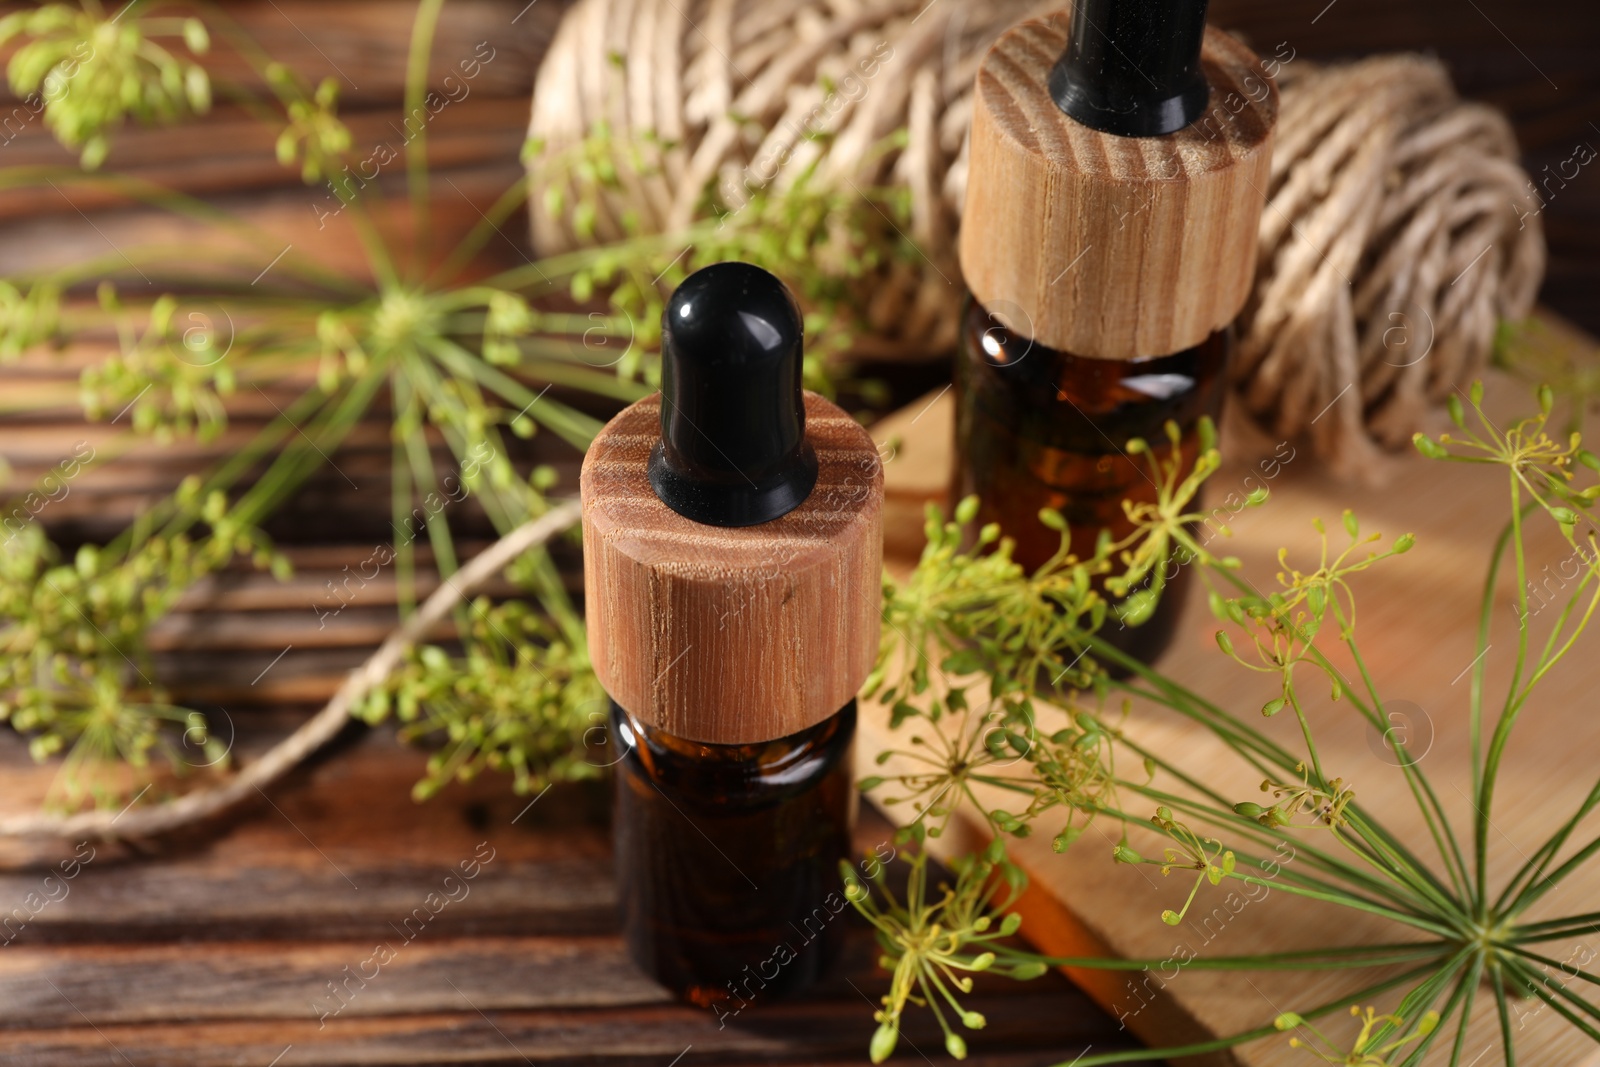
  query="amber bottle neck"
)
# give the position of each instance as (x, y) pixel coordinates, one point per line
(795, 760)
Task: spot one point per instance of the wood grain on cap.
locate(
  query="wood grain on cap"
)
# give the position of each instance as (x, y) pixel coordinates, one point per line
(733, 635)
(1107, 246)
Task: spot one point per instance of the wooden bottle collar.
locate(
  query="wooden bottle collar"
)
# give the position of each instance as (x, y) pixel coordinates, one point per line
(732, 635)
(1106, 246)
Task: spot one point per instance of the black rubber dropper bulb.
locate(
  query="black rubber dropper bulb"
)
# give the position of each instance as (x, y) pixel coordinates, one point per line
(733, 450)
(1132, 67)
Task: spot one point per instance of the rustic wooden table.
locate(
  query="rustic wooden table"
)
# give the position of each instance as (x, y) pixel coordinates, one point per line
(323, 927)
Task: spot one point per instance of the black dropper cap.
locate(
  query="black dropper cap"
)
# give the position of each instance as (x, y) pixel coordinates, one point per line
(733, 420)
(1132, 67)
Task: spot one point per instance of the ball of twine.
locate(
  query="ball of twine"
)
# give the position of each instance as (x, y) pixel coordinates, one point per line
(1399, 228)
(732, 87)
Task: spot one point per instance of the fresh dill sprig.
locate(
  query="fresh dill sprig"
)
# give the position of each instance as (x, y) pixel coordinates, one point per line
(1459, 921)
(465, 362)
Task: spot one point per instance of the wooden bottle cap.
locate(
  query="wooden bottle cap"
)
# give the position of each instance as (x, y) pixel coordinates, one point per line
(733, 635)
(1107, 246)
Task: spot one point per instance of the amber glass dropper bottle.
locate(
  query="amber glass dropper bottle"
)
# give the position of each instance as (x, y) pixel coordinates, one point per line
(732, 551)
(1119, 160)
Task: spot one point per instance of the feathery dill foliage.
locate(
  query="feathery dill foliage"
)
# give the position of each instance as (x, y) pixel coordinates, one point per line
(465, 362)
(93, 69)
(1461, 926)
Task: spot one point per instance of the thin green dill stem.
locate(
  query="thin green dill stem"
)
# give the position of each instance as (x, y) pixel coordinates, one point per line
(1582, 923)
(1417, 779)
(1572, 972)
(437, 525)
(930, 1000)
(1350, 901)
(423, 477)
(1189, 780)
(916, 890)
(1548, 662)
(1240, 750)
(1419, 999)
(372, 243)
(879, 922)
(281, 477)
(459, 753)
(1532, 893)
(932, 976)
(366, 232)
(417, 59)
(1368, 712)
(221, 477)
(1555, 631)
(432, 384)
(1454, 861)
(1536, 864)
(1222, 1043)
(544, 274)
(1473, 979)
(1409, 904)
(1479, 663)
(297, 461)
(1341, 896)
(554, 598)
(1547, 989)
(487, 225)
(1399, 861)
(243, 41)
(1491, 765)
(1548, 924)
(1305, 732)
(1191, 704)
(1236, 822)
(1311, 960)
(577, 322)
(1557, 935)
(590, 381)
(881, 885)
(1507, 1044)
(1461, 998)
(405, 408)
(1548, 851)
(1014, 785)
(572, 426)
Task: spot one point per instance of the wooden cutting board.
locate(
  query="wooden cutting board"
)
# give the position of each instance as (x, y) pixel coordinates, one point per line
(1416, 618)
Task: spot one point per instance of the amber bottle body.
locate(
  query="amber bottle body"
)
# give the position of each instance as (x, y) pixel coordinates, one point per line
(728, 857)
(1041, 428)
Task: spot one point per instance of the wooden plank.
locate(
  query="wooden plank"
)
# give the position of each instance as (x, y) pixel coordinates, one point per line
(363, 44)
(291, 216)
(121, 984)
(1032, 1030)
(231, 151)
(285, 868)
(215, 950)
(1417, 617)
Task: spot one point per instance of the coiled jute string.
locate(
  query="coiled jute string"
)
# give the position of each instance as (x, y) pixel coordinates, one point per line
(1399, 228)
